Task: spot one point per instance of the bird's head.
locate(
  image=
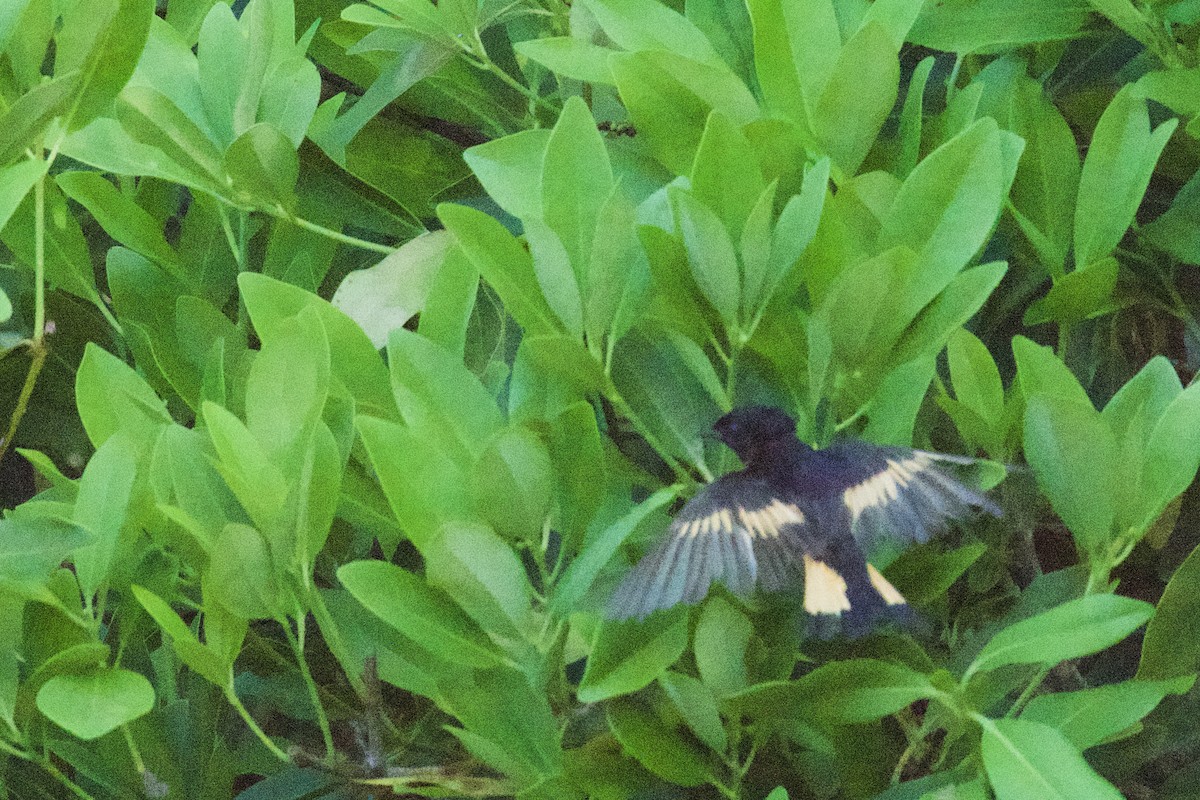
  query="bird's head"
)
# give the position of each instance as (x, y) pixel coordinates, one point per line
(747, 430)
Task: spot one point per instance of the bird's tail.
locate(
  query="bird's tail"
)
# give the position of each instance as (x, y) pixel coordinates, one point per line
(848, 596)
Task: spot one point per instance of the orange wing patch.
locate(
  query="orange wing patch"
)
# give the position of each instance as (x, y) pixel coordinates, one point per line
(767, 522)
(824, 588)
(885, 486)
(890, 594)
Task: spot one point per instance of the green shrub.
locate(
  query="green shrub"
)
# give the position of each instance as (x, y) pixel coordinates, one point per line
(265, 559)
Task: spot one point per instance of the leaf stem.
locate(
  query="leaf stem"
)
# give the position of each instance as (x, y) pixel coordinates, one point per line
(332, 636)
(37, 344)
(313, 694)
(626, 411)
(234, 701)
(338, 235)
(1028, 693)
(134, 753)
(478, 57)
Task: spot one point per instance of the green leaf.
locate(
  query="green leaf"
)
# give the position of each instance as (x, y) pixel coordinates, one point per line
(615, 284)
(894, 16)
(556, 276)
(1039, 371)
(1076, 628)
(121, 218)
(1177, 230)
(510, 169)
(1078, 295)
(1075, 458)
(598, 550)
(840, 692)
(483, 575)
(947, 207)
(1027, 759)
(103, 40)
(1172, 454)
(861, 690)
(221, 56)
(31, 547)
(447, 306)
(722, 636)
(112, 397)
(151, 118)
(911, 119)
(105, 490)
(503, 263)
(710, 254)
(1090, 716)
(418, 61)
(242, 576)
(15, 182)
(436, 392)
(183, 473)
(795, 228)
(727, 27)
(358, 367)
(698, 707)
(1115, 174)
(924, 573)
(579, 470)
(385, 296)
(12, 618)
(511, 724)
(1126, 16)
(290, 94)
(90, 706)
(725, 176)
(627, 656)
(964, 26)
(67, 262)
(246, 465)
(1139, 404)
(669, 98)
(1171, 646)
(754, 251)
(660, 749)
(648, 25)
(672, 386)
(864, 310)
(512, 483)
(565, 364)
(426, 615)
(975, 377)
(27, 118)
(424, 487)
(263, 168)
(570, 56)
(1044, 191)
(897, 401)
(576, 181)
(856, 100)
(796, 47)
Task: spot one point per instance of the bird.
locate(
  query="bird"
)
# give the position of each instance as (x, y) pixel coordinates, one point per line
(795, 511)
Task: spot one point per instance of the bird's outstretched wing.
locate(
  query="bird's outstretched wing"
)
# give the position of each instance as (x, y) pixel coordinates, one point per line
(894, 492)
(736, 531)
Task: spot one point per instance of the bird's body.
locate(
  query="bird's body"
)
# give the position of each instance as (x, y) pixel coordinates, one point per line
(796, 513)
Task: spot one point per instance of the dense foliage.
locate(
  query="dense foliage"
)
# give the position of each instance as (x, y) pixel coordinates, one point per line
(353, 351)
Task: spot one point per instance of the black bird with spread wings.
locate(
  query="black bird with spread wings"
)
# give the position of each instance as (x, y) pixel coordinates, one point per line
(794, 510)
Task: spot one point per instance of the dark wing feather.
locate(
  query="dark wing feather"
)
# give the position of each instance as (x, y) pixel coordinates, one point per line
(895, 492)
(735, 531)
